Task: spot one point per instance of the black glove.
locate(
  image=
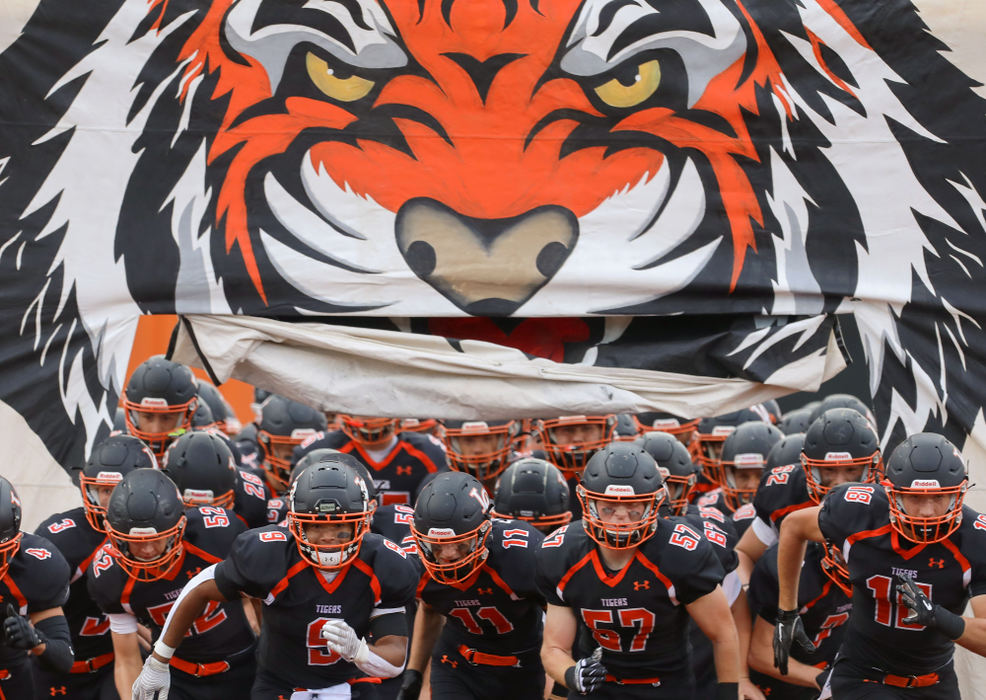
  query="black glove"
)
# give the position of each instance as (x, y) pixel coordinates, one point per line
(18, 633)
(587, 674)
(788, 629)
(410, 685)
(924, 612)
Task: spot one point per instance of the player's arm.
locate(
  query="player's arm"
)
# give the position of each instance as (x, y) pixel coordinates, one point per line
(761, 658)
(560, 626)
(748, 550)
(974, 635)
(126, 652)
(740, 609)
(43, 633)
(712, 615)
(796, 530)
(969, 632)
(427, 627)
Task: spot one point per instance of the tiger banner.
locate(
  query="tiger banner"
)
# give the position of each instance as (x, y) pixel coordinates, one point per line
(461, 208)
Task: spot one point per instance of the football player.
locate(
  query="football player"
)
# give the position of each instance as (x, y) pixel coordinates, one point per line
(710, 436)
(398, 461)
(79, 534)
(284, 424)
(568, 443)
(155, 546)
(683, 429)
(33, 587)
(915, 556)
(481, 448)
(622, 584)
(477, 575)
(159, 401)
(327, 585)
(535, 491)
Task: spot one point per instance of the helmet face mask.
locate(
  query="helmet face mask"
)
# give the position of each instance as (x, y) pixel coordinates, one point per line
(129, 550)
(840, 446)
(570, 441)
(479, 448)
(834, 566)
(159, 401)
(468, 552)
(10, 524)
(743, 459)
(110, 461)
(284, 424)
(368, 429)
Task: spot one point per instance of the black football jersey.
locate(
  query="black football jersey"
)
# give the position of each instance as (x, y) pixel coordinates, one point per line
(394, 522)
(277, 510)
(37, 579)
(741, 518)
(396, 476)
(856, 518)
(718, 530)
(497, 610)
(637, 615)
(782, 491)
(265, 563)
(221, 630)
(78, 541)
(252, 495)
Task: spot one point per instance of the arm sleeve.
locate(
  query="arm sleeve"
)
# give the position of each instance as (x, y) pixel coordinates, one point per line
(57, 656)
(546, 574)
(254, 565)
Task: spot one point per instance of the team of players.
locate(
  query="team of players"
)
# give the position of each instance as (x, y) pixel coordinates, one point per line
(305, 537)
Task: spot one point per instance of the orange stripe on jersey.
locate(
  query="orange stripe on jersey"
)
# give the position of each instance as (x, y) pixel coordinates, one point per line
(607, 578)
(901, 549)
(283, 583)
(128, 588)
(499, 581)
(825, 590)
(422, 582)
(202, 554)
(425, 459)
(571, 572)
(963, 562)
(88, 560)
(657, 572)
(15, 591)
(369, 461)
(777, 514)
(374, 581)
(865, 534)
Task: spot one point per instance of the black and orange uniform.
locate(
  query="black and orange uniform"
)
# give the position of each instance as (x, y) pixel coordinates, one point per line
(782, 491)
(636, 615)
(394, 522)
(491, 642)
(251, 497)
(741, 518)
(369, 593)
(216, 659)
(824, 610)
(879, 646)
(92, 673)
(36, 579)
(398, 473)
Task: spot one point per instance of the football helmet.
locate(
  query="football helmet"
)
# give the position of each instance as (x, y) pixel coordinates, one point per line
(222, 412)
(367, 429)
(675, 463)
(621, 475)
(534, 490)
(10, 524)
(161, 388)
(310, 458)
(711, 433)
(419, 425)
(796, 421)
(145, 522)
(834, 566)
(786, 452)
(841, 401)
(480, 448)
(746, 448)
(570, 441)
(330, 492)
(202, 419)
(203, 468)
(450, 526)
(110, 461)
(284, 424)
(839, 438)
(926, 464)
(625, 427)
(681, 428)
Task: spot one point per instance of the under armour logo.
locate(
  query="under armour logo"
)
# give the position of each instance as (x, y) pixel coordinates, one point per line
(403, 470)
(58, 690)
(190, 573)
(451, 662)
(939, 563)
(641, 585)
(766, 691)
(484, 591)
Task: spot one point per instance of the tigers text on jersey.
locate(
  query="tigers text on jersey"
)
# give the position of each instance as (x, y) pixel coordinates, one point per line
(498, 609)
(856, 518)
(782, 491)
(221, 630)
(398, 474)
(78, 541)
(637, 615)
(265, 563)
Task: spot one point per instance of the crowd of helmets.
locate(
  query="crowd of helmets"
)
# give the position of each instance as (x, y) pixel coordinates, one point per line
(185, 428)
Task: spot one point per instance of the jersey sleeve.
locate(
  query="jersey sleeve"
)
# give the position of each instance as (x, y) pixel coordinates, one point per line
(851, 508)
(692, 565)
(551, 564)
(48, 574)
(256, 562)
(519, 543)
(763, 590)
(64, 531)
(213, 529)
(432, 449)
(104, 582)
(976, 550)
(396, 574)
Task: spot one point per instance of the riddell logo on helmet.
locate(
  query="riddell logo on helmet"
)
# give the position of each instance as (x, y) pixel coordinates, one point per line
(665, 423)
(617, 490)
(109, 476)
(748, 459)
(925, 484)
(197, 495)
(837, 456)
(476, 426)
(152, 402)
(440, 532)
(723, 430)
(302, 433)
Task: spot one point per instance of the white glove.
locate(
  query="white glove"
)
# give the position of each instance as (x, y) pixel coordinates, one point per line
(155, 677)
(341, 638)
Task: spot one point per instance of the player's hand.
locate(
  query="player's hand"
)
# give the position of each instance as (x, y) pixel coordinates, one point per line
(787, 630)
(342, 639)
(924, 612)
(587, 674)
(155, 677)
(410, 685)
(748, 690)
(18, 632)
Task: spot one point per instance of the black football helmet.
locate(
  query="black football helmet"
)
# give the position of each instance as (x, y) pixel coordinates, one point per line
(419, 425)
(110, 461)
(534, 490)
(284, 424)
(222, 413)
(786, 452)
(159, 386)
(202, 419)
(10, 524)
(368, 429)
(625, 427)
(710, 435)
(570, 454)
(481, 448)
(840, 438)
(452, 512)
(203, 468)
(841, 401)
(146, 509)
(310, 458)
(621, 474)
(747, 447)
(796, 421)
(683, 429)
(330, 492)
(674, 461)
(926, 464)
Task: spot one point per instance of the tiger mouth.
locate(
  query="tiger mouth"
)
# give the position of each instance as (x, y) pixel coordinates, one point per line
(487, 267)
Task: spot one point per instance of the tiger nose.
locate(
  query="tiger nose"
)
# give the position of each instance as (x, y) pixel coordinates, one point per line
(486, 267)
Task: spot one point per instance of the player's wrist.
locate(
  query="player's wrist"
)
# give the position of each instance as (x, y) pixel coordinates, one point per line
(948, 623)
(163, 652)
